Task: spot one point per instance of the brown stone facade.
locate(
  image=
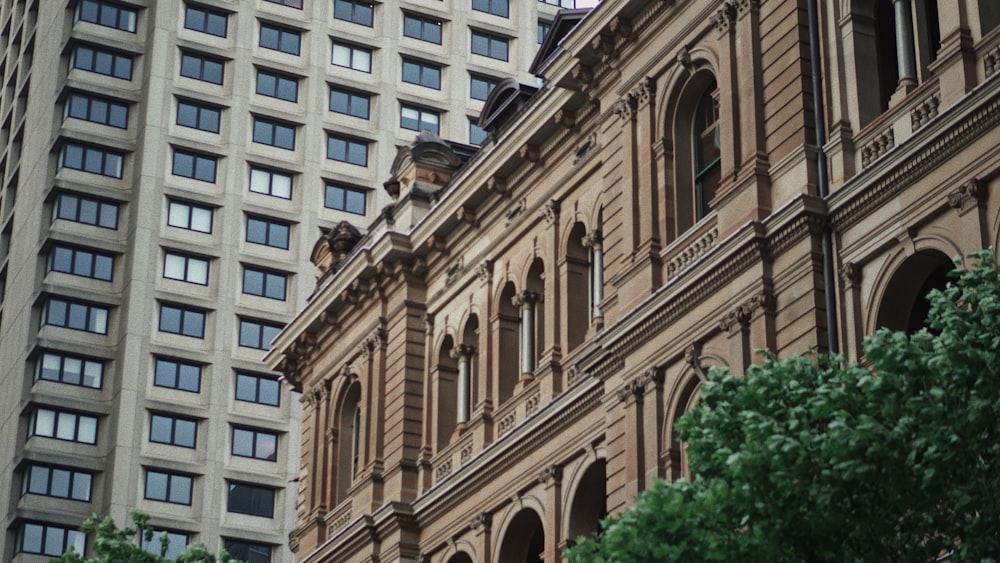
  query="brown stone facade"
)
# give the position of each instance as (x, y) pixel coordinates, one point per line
(499, 361)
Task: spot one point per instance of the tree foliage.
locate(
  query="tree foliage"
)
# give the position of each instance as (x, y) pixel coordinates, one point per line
(815, 459)
(124, 545)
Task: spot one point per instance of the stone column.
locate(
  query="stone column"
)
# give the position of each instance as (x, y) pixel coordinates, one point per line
(595, 243)
(525, 301)
(463, 354)
(904, 43)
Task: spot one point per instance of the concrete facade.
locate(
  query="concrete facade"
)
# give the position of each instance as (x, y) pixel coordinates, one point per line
(166, 168)
(499, 362)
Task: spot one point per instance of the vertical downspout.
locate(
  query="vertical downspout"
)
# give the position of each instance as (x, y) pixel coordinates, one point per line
(829, 285)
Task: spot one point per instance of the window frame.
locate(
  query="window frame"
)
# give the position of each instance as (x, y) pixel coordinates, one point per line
(208, 16)
(269, 224)
(491, 40)
(85, 366)
(257, 389)
(262, 328)
(186, 275)
(265, 276)
(128, 25)
(200, 110)
(255, 451)
(96, 56)
(235, 548)
(77, 259)
(296, 4)
(345, 191)
(475, 128)
(169, 486)
(173, 438)
(423, 22)
(350, 97)
(422, 68)
(205, 73)
(488, 82)
(366, 19)
(115, 112)
(28, 482)
(248, 495)
(273, 133)
(74, 538)
(197, 161)
(492, 7)
(178, 204)
(352, 50)
(349, 143)
(92, 315)
(182, 328)
(421, 115)
(112, 162)
(281, 34)
(75, 214)
(57, 419)
(177, 543)
(271, 174)
(279, 78)
(177, 374)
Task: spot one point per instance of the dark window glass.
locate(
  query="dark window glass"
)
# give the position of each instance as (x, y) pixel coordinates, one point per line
(194, 166)
(103, 62)
(347, 150)
(268, 233)
(79, 262)
(423, 74)
(543, 30)
(107, 14)
(264, 283)
(95, 160)
(274, 134)
(205, 20)
(72, 370)
(168, 487)
(198, 116)
(176, 542)
(76, 316)
(707, 154)
(97, 110)
(343, 198)
(350, 103)
(489, 45)
(255, 443)
(86, 210)
(271, 182)
(178, 320)
(481, 86)
(57, 482)
(248, 551)
(202, 67)
(251, 499)
(173, 431)
(279, 39)
(257, 389)
(424, 29)
(179, 375)
(290, 4)
(353, 11)
(257, 334)
(495, 7)
(417, 119)
(276, 85)
(476, 134)
(45, 539)
(191, 217)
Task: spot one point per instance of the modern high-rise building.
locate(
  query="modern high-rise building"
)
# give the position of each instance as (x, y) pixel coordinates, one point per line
(166, 169)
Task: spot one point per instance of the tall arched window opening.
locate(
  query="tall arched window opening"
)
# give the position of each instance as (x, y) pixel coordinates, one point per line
(706, 155)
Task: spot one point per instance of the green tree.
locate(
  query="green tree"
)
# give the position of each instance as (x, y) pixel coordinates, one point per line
(124, 545)
(814, 459)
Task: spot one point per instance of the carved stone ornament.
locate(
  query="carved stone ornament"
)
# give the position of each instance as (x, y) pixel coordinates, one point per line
(593, 240)
(453, 271)
(850, 274)
(481, 521)
(692, 356)
(631, 390)
(585, 148)
(744, 6)
(466, 350)
(550, 475)
(737, 320)
(684, 58)
(550, 212)
(498, 185)
(644, 92)
(966, 194)
(722, 20)
(565, 118)
(485, 271)
(651, 376)
(428, 319)
(624, 108)
(526, 298)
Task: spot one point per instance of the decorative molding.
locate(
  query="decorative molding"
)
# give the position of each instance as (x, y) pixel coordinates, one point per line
(651, 378)
(632, 390)
(967, 195)
(925, 111)
(624, 108)
(644, 93)
(722, 19)
(506, 423)
(850, 274)
(453, 271)
(692, 252)
(551, 475)
(497, 185)
(991, 61)
(531, 153)
(550, 212)
(466, 453)
(586, 148)
(466, 350)
(692, 357)
(739, 318)
(526, 298)
(531, 404)
(516, 210)
(481, 522)
(443, 469)
(341, 521)
(881, 144)
(593, 239)
(565, 118)
(485, 271)
(684, 59)
(745, 6)
(467, 215)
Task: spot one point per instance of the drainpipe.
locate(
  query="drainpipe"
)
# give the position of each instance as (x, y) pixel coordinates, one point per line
(829, 285)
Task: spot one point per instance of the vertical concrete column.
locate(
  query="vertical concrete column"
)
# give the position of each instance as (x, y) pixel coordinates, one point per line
(463, 354)
(595, 243)
(906, 60)
(525, 302)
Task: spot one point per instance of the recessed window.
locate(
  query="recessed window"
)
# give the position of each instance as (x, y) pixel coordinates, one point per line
(489, 45)
(185, 268)
(290, 3)
(205, 21)
(347, 150)
(257, 389)
(271, 182)
(480, 86)
(191, 217)
(706, 157)
(101, 61)
(198, 116)
(543, 30)
(248, 551)
(63, 425)
(417, 119)
(69, 369)
(267, 232)
(173, 431)
(176, 542)
(95, 160)
(80, 262)
(202, 67)
(495, 7)
(175, 374)
(279, 39)
(250, 499)
(107, 14)
(97, 110)
(183, 321)
(75, 315)
(168, 487)
(86, 210)
(272, 133)
(352, 57)
(476, 133)
(422, 28)
(264, 283)
(344, 198)
(56, 482)
(349, 102)
(276, 85)
(194, 166)
(570, 4)
(46, 539)
(255, 443)
(354, 11)
(258, 334)
(423, 74)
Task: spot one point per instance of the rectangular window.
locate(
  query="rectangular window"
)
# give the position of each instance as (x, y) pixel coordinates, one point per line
(75, 315)
(63, 425)
(194, 166)
(185, 268)
(264, 283)
(173, 431)
(248, 551)
(255, 443)
(481, 86)
(343, 198)
(476, 133)
(97, 110)
(347, 150)
(177, 541)
(279, 39)
(290, 3)
(250, 499)
(354, 11)
(101, 61)
(191, 217)
(79, 262)
(275, 134)
(257, 389)
(95, 160)
(489, 45)
(276, 85)
(168, 487)
(424, 29)
(417, 119)
(543, 30)
(267, 232)
(202, 67)
(46, 539)
(257, 334)
(57, 482)
(271, 182)
(570, 4)
(175, 374)
(352, 57)
(72, 370)
(495, 7)
(86, 210)
(204, 20)
(422, 74)
(198, 116)
(349, 102)
(179, 320)
(107, 14)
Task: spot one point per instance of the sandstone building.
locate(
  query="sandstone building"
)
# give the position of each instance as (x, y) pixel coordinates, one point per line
(500, 360)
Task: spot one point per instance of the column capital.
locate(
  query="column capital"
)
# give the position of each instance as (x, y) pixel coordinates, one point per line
(462, 351)
(526, 298)
(593, 239)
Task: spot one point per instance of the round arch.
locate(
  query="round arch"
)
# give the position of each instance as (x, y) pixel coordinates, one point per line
(900, 302)
(523, 539)
(588, 503)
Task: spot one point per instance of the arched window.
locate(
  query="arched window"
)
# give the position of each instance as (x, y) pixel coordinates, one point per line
(579, 290)
(349, 440)
(904, 305)
(507, 363)
(706, 154)
(446, 401)
(695, 165)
